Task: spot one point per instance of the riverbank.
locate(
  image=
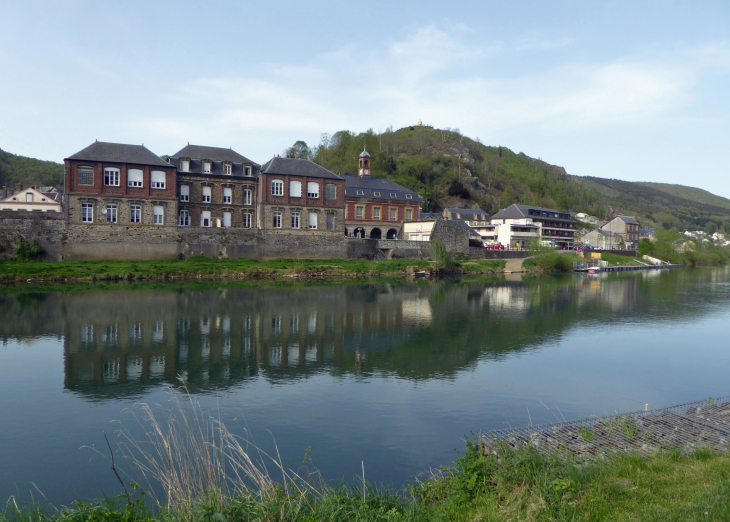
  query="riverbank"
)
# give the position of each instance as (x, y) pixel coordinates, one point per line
(522, 485)
(13, 271)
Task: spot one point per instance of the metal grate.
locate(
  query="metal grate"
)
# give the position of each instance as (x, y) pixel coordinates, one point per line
(701, 424)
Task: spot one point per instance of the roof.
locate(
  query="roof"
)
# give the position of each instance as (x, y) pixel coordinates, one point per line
(364, 154)
(429, 216)
(472, 232)
(50, 198)
(628, 220)
(296, 167)
(377, 188)
(472, 212)
(202, 152)
(119, 153)
(517, 211)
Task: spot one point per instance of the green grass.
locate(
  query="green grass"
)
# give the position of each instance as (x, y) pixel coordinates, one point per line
(12, 271)
(615, 259)
(520, 485)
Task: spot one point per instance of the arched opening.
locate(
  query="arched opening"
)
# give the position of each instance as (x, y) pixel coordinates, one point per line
(347, 233)
(359, 232)
(392, 234)
(375, 233)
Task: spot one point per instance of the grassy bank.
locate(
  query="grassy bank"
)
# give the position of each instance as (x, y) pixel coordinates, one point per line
(202, 267)
(517, 486)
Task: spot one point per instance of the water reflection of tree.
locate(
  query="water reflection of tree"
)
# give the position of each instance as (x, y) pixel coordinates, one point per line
(119, 343)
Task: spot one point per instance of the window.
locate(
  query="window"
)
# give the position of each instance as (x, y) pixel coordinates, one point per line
(409, 214)
(227, 195)
(134, 178)
(247, 197)
(376, 194)
(135, 214)
(330, 191)
(295, 219)
(393, 195)
(206, 194)
(376, 213)
(359, 212)
(247, 220)
(184, 192)
(158, 215)
(313, 220)
(419, 228)
(87, 212)
(409, 196)
(277, 219)
(111, 177)
(312, 190)
(414, 237)
(393, 214)
(111, 213)
(227, 169)
(360, 192)
(426, 238)
(227, 219)
(206, 167)
(330, 221)
(158, 179)
(205, 218)
(247, 171)
(295, 189)
(185, 165)
(29, 198)
(277, 187)
(85, 175)
(184, 219)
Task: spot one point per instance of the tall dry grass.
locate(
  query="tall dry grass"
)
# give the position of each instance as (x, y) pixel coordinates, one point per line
(192, 458)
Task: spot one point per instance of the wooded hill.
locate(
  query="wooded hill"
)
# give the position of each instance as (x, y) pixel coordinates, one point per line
(21, 171)
(451, 170)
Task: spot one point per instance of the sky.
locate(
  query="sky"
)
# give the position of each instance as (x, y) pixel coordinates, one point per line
(617, 89)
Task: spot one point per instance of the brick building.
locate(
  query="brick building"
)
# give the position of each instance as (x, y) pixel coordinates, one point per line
(216, 187)
(377, 207)
(300, 196)
(116, 185)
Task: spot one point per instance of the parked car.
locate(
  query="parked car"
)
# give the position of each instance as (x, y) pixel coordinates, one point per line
(495, 246)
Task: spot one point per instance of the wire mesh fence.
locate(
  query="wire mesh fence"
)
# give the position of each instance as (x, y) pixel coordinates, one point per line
(686, 427)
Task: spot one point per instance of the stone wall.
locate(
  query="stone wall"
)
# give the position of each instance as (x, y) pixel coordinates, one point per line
(485, 253)
(454, 236)
(47, 228)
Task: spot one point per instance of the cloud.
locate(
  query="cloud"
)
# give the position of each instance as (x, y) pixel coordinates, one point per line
(440, 76)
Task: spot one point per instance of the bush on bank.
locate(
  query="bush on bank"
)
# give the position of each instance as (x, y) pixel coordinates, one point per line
(519, 485)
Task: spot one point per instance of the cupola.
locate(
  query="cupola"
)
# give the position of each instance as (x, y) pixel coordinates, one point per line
(364, 163)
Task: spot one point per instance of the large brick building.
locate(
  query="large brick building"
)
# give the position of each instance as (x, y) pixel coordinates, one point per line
(118, 185)
(300, 196)
(377, 207)
(216, 187)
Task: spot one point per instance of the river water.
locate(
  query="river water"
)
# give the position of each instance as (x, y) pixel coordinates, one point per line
(385, 377)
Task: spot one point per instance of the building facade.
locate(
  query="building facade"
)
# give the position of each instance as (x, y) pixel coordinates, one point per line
(518, 225)
(216, 187)
(31, 200)
(377, 207)
(627, 227)
(301, 197)
(117, 185)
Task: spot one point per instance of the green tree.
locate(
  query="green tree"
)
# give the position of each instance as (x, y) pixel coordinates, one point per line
(299, 150)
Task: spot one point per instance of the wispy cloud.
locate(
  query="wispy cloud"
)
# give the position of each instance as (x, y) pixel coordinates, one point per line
(435, 74)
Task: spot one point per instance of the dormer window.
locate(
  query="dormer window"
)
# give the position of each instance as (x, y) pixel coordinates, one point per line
(207, 165)
(360, 192)
(227, 169)
(393, 195)
(376, 194)
(409, 196)
(185, 165)
(247, 171)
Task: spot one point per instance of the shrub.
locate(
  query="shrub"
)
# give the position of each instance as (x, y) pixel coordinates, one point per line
(28, 251)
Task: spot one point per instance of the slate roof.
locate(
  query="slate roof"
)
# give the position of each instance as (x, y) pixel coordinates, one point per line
(377, 188)
(472, 232)
(364, 154)
(119, 153)
(517, 211)
(628, 220)
(296, 167)
(471, 214)
(201, 152)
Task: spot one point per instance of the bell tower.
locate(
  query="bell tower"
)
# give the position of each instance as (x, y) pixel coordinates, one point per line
(364, 164)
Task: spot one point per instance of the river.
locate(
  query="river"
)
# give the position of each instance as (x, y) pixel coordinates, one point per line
(385, 377)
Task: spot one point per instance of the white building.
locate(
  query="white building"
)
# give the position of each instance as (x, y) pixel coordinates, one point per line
(31, 200)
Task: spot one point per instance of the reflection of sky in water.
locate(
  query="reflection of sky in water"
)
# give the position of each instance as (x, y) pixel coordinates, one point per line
(392, 376)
